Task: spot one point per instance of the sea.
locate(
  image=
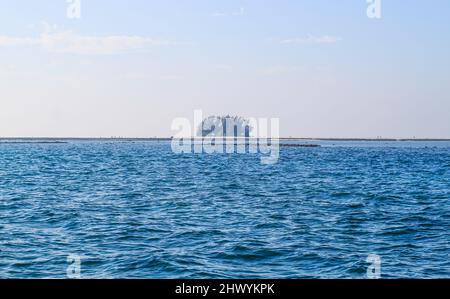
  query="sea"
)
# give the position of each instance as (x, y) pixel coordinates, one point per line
(135, 209)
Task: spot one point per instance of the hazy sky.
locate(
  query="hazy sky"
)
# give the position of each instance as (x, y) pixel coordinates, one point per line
(128, 68)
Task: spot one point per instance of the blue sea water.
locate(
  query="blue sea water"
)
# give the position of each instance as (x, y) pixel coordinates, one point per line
(137, 210)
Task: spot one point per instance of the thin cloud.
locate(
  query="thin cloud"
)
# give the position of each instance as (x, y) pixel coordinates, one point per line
(310, 39)
(71, 43)
(6, 41)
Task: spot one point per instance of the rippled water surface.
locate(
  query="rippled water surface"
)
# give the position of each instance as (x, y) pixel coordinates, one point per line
(136, 210)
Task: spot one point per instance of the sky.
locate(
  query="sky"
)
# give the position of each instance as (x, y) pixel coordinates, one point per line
(129, 68)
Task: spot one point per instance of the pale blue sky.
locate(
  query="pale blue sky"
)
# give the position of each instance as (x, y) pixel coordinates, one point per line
(128, 68)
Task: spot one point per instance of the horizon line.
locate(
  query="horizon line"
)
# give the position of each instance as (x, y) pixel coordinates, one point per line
(155, 138)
